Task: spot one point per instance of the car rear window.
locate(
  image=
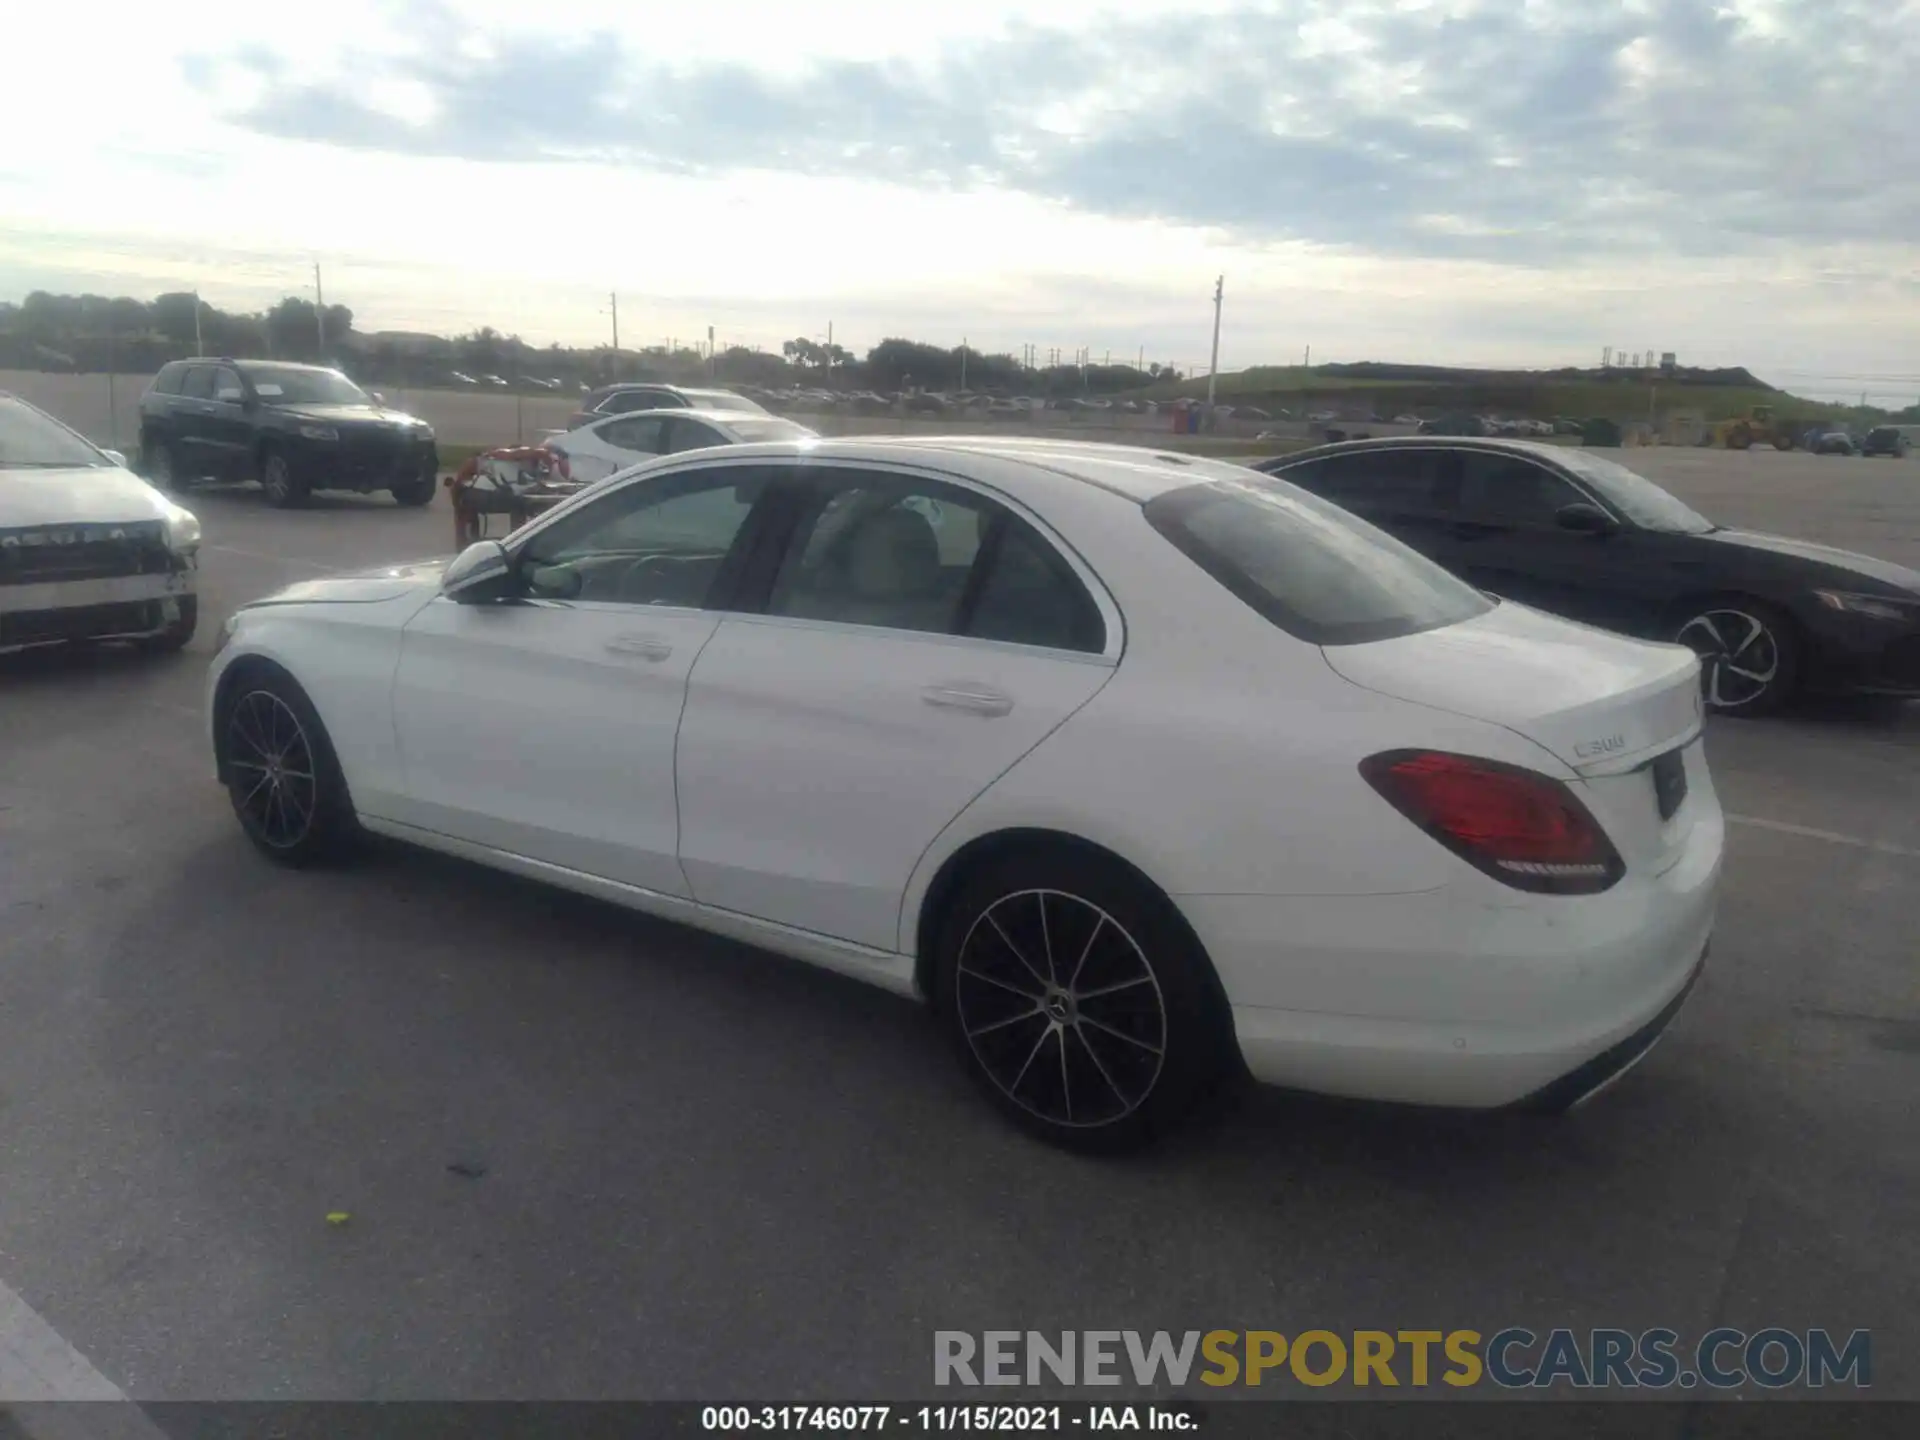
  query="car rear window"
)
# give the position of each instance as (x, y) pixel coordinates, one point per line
(1321, 574)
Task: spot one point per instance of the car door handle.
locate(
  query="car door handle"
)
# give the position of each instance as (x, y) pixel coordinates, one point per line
(980, 699)
(646, 647)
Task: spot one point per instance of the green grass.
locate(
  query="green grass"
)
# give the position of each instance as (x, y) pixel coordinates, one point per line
(1514, 395)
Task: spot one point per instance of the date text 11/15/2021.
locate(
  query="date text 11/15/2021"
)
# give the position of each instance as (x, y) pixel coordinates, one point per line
(946, 1419)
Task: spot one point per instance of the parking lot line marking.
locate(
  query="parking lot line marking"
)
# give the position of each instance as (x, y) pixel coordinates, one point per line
(42, 1377)
(1832, 837)
(273, 559)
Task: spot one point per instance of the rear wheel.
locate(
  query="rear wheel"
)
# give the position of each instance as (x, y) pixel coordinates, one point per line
(1077, 1001)
(284, 489)
(282, 777)
(1749, 655)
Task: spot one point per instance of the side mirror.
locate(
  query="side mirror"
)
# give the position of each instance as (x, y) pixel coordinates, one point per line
(478, 573)
(379, 397)
(1585, 519)
(117, 457)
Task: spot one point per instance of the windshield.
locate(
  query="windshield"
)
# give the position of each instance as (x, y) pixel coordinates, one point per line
(748, 431)
(1321, 574)
(305, 387)
(1635, 496)
(30, 440)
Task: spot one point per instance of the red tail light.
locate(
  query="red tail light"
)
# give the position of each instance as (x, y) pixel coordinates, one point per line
(1528, 831)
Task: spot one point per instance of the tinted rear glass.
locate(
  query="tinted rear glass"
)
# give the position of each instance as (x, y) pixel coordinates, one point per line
(1318, 572)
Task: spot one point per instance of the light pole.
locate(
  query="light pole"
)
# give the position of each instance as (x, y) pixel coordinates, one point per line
(1213, 365)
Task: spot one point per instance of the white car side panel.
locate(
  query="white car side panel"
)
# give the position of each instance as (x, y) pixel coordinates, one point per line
(817, 762)
(343, 656)
(547, 730)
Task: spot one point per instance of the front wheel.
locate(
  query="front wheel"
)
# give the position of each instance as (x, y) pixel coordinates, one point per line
(282, 776)
(284, 490)
(419, 490)
(1749, 655)
(160, 463)
(1078, 1002)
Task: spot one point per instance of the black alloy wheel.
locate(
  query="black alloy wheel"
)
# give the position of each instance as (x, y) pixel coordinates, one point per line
(282, 777)
(1078, 1001)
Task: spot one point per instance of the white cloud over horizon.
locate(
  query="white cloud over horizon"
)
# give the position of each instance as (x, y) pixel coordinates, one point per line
(1457, 181)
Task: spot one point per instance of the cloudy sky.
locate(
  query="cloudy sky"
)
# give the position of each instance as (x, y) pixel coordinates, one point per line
(1454, 181)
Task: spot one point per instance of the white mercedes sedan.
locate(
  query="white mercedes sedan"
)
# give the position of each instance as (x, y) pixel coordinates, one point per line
(1143, 770)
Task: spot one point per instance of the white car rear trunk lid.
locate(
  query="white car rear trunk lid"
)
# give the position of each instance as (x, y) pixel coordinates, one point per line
(1606, 705)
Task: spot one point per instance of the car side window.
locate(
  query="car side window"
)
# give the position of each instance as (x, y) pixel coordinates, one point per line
(167, 382)
(659, 542)
(882, 550)
(1387, 481)
(1508, 489)
(1029, 595)
(691, 435)
(199, 383)
(642, 435)
(226, 386)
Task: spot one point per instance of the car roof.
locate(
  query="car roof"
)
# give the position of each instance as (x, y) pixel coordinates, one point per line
(1501, 444)
(683, 412)
(1135, 472)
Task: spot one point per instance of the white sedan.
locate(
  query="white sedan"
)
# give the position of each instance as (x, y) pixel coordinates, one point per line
(610, 445)
(1142, 769)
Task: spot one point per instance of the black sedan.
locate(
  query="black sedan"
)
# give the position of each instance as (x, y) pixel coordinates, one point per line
(1566, 531)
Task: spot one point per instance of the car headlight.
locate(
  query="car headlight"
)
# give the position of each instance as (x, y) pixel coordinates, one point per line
(1878, 607)
(183, 531)
(319, 432)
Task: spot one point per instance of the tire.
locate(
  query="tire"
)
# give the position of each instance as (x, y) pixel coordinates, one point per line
(1733, 627)
(1059, 977)
(282, 777)
(284, 489)
(418, 491)
(176, 635)
(160, 463)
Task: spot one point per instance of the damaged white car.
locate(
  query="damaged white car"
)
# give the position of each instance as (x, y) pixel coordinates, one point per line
(88, 550)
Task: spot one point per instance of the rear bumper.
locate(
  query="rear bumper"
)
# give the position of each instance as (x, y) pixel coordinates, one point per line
(1455, 998)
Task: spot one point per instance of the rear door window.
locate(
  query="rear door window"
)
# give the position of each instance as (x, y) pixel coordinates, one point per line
(199, 383)
(1384, 482)
(1319, 572)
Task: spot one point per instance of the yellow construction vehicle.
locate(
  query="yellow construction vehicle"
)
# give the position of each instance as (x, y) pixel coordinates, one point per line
(1758, 428)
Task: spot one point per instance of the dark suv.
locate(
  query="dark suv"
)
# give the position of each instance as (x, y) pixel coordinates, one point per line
(1886, 440)
(294, 428)
(625, 398)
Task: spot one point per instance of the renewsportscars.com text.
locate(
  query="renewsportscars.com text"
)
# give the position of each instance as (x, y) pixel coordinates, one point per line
(1513, 1358)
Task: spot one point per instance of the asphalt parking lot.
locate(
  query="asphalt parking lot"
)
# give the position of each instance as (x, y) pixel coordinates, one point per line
(586, 1155)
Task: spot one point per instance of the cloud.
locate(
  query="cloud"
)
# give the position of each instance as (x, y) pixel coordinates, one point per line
(1547, 134)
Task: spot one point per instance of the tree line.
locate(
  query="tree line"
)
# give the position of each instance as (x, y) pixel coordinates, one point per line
(95, 333)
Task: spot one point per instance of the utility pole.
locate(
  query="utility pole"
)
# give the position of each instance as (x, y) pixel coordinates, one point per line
(1141, 364)
(963, 362)
(1306, 361)
(613, 305)
(319, 312)
(829, 355)
(199, 343)
(1213, 365)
